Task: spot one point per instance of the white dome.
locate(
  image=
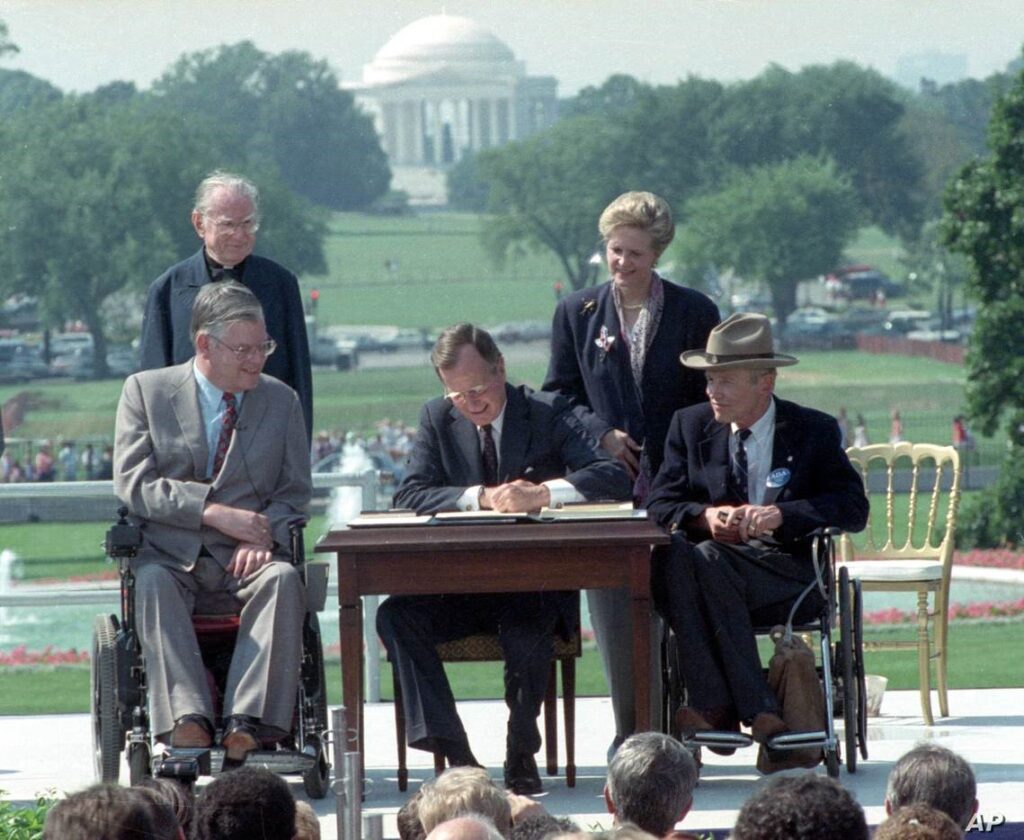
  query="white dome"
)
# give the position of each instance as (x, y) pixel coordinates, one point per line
(439, 42)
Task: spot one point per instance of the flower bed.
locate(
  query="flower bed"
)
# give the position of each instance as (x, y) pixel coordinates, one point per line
(993, 558)
(21, 655)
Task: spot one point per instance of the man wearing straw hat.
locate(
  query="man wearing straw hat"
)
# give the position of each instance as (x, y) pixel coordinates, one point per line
(746, 478)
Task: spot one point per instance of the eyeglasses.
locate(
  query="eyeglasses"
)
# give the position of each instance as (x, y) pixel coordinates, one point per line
(470, 393)
(263, 350)
(250, 225)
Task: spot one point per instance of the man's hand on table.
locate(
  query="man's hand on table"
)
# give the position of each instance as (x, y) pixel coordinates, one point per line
(517, 496)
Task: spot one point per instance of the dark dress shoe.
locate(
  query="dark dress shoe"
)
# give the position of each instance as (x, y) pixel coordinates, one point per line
(766, 725)
(521, 776)
(192, 732)
(689, 721)
(457, 753)
(241, 737)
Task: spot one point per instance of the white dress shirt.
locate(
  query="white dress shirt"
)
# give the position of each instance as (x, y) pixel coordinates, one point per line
(760, 448)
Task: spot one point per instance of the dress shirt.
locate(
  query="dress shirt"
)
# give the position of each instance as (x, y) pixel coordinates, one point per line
(759, 446)
(211, 406)
(562, 492)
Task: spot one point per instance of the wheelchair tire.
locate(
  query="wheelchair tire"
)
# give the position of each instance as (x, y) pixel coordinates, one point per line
(107, 731)
(859, 671)
(832, 760)
(316, 780)
(139, 767)
(851, 701)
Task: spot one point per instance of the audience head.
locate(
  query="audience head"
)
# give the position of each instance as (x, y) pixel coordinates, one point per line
(175, 794)
(936, 776)
(408, 819)
(460, 791)
(307, 825)
(466, 827)
(805, 807)
(244, 804)
(650, 782)
(110, 812)
(918, 822)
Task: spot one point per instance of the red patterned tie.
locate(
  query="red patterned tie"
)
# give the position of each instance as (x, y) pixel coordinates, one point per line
(226, 430)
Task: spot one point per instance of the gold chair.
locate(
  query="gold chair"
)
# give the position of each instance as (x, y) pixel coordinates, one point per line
(912, 550)
(485, 647)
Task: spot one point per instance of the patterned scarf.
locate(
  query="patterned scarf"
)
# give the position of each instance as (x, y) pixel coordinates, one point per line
(639, 341)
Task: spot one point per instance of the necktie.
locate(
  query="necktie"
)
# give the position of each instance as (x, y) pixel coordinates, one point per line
(738, 476)
(490, 458)
(226, 430)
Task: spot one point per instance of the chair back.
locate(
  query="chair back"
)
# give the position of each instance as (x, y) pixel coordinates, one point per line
(914, 490)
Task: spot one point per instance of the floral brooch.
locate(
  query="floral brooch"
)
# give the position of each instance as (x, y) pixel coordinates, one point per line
(605, 340)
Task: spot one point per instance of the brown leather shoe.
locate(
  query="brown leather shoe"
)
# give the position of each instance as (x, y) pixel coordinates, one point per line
(192, 732)
(765, 725)
(241, 737)
(689, 721)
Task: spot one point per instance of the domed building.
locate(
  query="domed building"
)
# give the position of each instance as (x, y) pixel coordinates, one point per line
(444, 86)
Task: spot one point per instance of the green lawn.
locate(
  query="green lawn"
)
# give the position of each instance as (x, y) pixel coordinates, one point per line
(25, 691)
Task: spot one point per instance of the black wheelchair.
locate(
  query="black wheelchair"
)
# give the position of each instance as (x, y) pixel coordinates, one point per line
(839, 665)
(120, 716)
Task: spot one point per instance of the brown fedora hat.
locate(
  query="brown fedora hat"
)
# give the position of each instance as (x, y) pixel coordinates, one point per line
(743, 340)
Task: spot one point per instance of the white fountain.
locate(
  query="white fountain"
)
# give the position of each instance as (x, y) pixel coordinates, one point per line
(346, 502)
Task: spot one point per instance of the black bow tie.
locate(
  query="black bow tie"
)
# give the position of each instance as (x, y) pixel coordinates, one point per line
(219, 272)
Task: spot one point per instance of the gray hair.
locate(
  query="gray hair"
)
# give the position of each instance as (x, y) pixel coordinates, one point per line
(642, 210)
(454, 338)
(474, 826)
(936, 776)
(220, 179)
(651, 780)
(461, 791)
(218, 305)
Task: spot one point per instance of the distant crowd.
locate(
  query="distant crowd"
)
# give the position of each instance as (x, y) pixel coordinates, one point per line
(67, 463)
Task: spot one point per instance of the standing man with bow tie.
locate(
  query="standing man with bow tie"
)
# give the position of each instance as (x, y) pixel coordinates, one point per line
(746, 478)
(226, 218)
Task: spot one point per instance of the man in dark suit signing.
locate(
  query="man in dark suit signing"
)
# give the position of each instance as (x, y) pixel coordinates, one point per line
(226, 218)
(746, 478)
(488, 445)
(211, 457)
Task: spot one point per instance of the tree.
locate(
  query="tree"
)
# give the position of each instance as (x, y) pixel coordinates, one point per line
(781, 223)
(619, 93)
(7, 46)
(548, 192)
(287, 110)
(20, 91)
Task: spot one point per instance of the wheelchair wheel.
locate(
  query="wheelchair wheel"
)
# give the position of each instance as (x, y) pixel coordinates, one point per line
(851, 701)
(858, 652)
(316, 779)
(138, 763)
(107, 732)
(832, 759)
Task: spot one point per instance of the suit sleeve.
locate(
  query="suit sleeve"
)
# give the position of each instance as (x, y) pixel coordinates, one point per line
(425, 487)
(839, 498)
(565, 378)
(157, 333)
(298, 350)
(589, 468)
(294, 486)
(671, 501)
(137, 479)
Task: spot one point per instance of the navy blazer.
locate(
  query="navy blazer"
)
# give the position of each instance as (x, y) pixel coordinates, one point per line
(540, 440)
(822, 487)
(600, 385)
(166, 338)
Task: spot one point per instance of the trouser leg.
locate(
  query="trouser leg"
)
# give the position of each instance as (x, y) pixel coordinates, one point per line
(526, 627)
(264, 675)
(612, 621)
(410, 626)
(175, 675)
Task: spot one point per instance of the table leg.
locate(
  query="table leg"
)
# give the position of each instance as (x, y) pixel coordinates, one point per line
(350, 624)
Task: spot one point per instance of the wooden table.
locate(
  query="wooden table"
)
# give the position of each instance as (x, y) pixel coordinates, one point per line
(525, 557)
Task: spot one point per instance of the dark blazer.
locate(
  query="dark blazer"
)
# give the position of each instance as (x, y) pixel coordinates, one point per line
(540, 440)
(168, 314)
(600, 385)
(822, 488)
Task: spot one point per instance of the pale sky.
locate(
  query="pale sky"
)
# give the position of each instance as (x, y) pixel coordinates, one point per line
(80, 44)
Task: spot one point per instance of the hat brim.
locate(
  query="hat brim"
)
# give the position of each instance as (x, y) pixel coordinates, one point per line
(700, 360)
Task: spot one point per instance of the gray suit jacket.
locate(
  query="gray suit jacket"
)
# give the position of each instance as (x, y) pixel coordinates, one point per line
(160, 456)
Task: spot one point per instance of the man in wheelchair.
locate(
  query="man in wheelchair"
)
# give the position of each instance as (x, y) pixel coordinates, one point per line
(211, 459)
(746, 478)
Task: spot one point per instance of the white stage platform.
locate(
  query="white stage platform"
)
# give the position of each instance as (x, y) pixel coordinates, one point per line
(54, 752)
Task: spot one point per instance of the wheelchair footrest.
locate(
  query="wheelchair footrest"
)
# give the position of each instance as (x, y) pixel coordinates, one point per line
(714, 738)
(797, 740)
(281, 761)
